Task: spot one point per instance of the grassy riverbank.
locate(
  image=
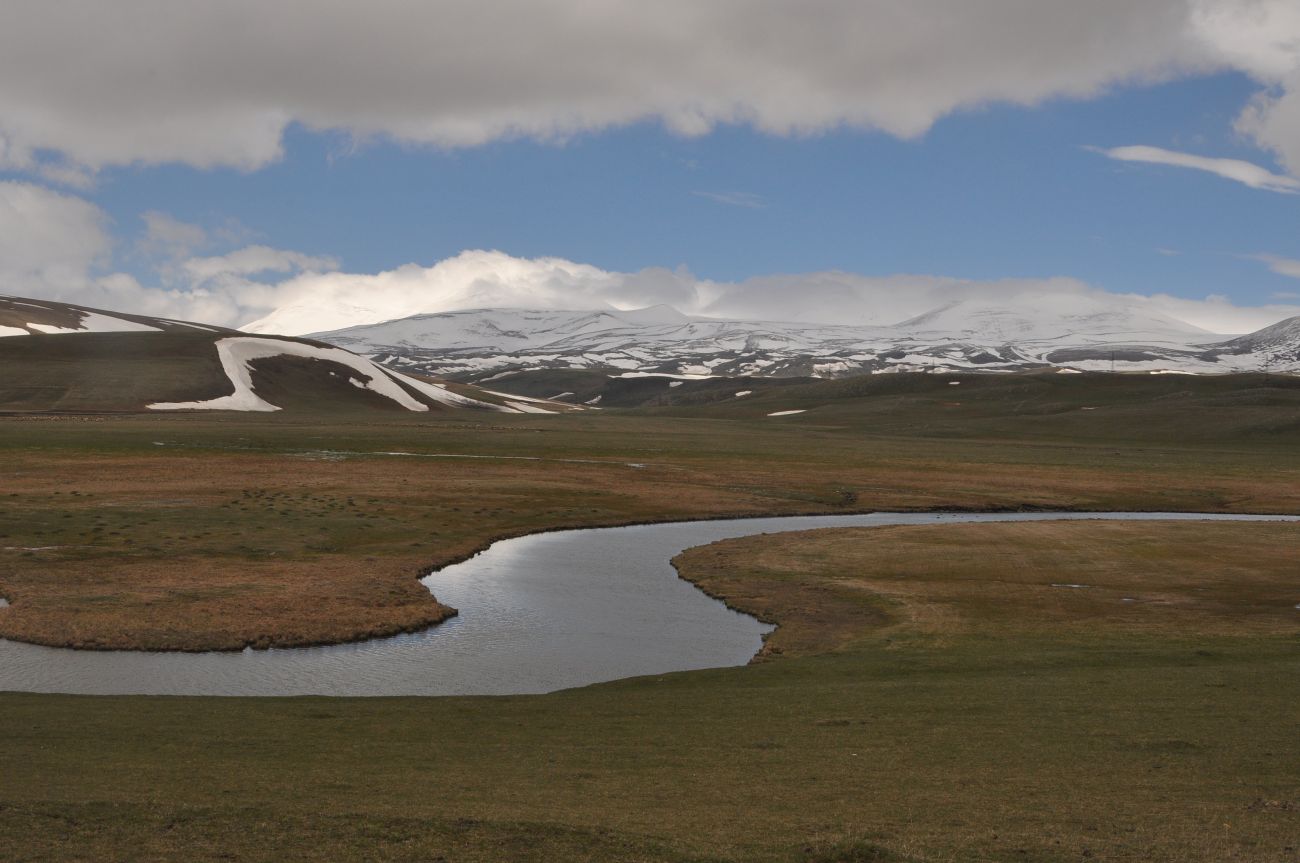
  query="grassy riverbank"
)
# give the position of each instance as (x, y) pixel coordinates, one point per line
(216, 532)
(1021, 724)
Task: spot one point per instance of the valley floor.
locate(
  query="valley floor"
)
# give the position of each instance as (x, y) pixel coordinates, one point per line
(926, 717)
(909, 724)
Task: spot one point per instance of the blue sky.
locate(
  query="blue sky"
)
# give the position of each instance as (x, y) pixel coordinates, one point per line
(225, 161)
(988, 193)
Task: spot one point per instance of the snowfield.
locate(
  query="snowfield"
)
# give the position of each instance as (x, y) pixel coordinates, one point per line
(1077, 333)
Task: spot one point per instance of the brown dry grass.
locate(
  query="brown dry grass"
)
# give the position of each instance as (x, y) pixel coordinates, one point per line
(221, 551)
(239, 531)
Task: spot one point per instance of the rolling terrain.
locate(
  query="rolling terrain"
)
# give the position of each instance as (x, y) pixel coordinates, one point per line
(946, 696)
(930, 695)
(59, 357)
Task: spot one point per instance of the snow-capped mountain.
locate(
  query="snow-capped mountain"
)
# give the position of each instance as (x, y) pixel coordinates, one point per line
(1084, 334)
(1077, 319)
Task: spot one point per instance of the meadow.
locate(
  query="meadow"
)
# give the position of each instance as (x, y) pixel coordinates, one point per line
(936, 709)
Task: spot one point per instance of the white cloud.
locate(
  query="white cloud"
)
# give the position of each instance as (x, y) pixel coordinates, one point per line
(474, 279)
(480, 279)
(1218, 314)
(734, 199)
(217, 83)
(1281, 266)
(168, 238)
(1231, 169)
(48, 240)
(1256, 36)
(57, 246)
(85, 83)
(252, 261)
(1272, 119)
(1261, 38)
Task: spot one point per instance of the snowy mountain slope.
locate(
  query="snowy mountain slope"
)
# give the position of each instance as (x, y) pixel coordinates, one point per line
(1281, 340)
(71, 358)
(21, 317)
(1078, 319)
(1079, 332)
(238, 355)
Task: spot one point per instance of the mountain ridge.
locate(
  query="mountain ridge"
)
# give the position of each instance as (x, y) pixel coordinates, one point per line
(1082, 334)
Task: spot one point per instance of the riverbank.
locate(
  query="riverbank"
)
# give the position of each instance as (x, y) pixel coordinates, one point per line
(1034, 722)
(197, 533)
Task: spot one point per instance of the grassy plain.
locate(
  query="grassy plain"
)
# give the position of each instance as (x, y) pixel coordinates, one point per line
(830, 588)
(930, 721)
(943, 719)
(200, 532)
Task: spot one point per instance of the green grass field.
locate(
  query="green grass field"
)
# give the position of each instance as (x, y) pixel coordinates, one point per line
(906, 739)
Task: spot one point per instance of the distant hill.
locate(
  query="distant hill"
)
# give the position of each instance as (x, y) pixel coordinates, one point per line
(61, 357)
(1082, 409)
(1078, 333)
(23, 317)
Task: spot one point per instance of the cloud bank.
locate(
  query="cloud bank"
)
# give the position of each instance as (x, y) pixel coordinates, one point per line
(313, 302)
(57, 246)
(85, 84)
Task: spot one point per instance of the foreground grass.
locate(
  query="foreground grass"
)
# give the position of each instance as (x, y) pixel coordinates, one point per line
(1024, 722)
(217, 532)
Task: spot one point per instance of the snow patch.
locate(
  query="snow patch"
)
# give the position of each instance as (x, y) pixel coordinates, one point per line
(743, 393)
(525, 408)
(514, 397)
(237, 353)
(442, 395)
(93, 322)
(680, 377)
(786, 413)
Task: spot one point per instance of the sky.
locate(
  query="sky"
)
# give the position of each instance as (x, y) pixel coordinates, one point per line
(313, 164)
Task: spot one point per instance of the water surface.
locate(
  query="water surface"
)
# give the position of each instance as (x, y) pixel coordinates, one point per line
(538, 613)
